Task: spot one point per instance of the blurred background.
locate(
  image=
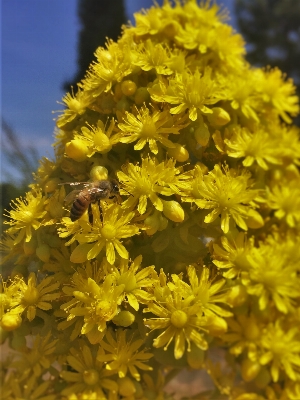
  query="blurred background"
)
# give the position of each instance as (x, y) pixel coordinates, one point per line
(48, 45)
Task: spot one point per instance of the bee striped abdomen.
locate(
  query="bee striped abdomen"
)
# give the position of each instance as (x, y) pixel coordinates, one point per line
(92, 192)
(79, 206)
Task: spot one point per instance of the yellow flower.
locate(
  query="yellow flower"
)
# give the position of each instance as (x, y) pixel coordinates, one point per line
(76, 106)
(281, 348)
(273, 275)
(285, 199)
(149, 128)
(259, 146)
(123, 354)
(60, 264)
(148, 180)
(97, 138)
(38, 359)
(96, 303)
(174, 111)
(25, 215)
(233, 255)
(11, 293)
(153, 21)
(37, 295)
(153, 56)
(32, 388)
(179, 317)
(244, 333)
(112, 65)
(88, 376)
(134, 278)
(191, 91)
(278, 93)
(229, 194)
(223, 54)
(241, 93)
(103, 234)
(206, 293)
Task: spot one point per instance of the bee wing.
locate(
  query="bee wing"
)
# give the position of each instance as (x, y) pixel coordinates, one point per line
(84, 184)
(72, 196)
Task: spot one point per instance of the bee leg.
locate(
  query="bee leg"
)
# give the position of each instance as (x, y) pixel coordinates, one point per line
(101, 213)
(90, 212)
(117, 198)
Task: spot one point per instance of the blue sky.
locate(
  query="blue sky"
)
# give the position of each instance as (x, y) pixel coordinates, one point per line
(38, 51)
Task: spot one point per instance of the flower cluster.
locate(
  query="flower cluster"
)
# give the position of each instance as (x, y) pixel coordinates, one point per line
(181, 238)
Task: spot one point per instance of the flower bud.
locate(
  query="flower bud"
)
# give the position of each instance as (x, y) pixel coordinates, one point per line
(250, 369)
(124, 318)
(216, 325)
(263, 378)
(202, 135)
(77, 150)
(43, 252)
(219, 116)
(123, 104)
(254, 220)
(236, 295)
(10, 322)
(98, 173)
(128, 87)
(178, 152)
(141, 96)
(251, 331)
(173, 210)
(155, 222)
(126, 387)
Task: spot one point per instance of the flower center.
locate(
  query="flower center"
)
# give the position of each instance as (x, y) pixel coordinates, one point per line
(102, 141)
(27, 216)
(108, 232)
(75, 105)
(149, 129)
(91, 377)
(179, 318)
(129, 280)
(103, 308)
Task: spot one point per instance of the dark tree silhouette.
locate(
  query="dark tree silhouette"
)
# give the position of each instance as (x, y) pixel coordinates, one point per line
(271, 29)
(99, 19)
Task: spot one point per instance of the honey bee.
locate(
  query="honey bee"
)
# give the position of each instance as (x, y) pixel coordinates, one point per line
(92, 192)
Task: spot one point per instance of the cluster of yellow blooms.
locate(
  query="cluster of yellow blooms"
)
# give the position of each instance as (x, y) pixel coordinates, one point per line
(201, 252)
